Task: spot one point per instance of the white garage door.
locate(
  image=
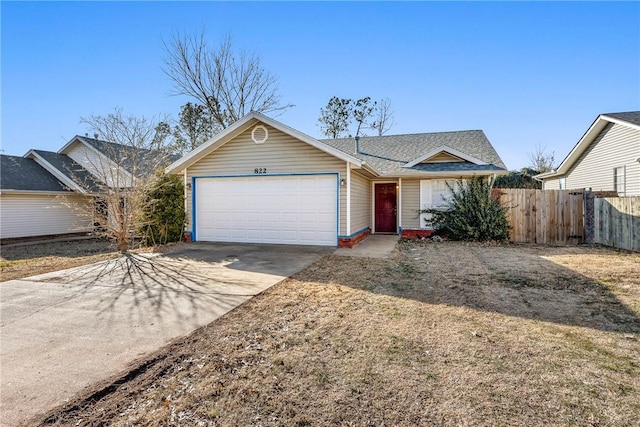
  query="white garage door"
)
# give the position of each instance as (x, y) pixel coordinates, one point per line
(298, 210)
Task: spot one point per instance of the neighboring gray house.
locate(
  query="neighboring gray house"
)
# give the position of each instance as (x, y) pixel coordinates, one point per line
(34, 202)
(261, 181)
(606, 158)
(40, 192)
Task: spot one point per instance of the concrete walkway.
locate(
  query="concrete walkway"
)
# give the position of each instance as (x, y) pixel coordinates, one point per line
(63, 331)
(374, 246)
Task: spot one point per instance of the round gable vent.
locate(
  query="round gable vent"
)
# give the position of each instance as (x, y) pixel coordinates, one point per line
(259, 134)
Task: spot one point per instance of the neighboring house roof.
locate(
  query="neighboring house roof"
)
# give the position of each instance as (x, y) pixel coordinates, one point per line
(402, 155)
(630, 119)
(22, 174)
(379, 155)
(123, 155)
(73, 174)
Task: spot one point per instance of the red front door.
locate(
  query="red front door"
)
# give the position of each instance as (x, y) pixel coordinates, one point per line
(385, 195)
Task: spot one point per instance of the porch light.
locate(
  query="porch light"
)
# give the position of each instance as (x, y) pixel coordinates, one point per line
(342, 182)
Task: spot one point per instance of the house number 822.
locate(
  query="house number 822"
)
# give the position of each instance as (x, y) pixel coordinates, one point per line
(260, 170)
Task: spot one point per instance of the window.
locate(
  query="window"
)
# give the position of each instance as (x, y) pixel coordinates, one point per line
(563, 183)
(618, 180)
(434, 194)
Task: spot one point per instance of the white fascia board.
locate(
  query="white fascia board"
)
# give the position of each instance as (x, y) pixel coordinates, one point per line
(111, 163)
(594, 130)
(243, 124)
(428, 175)
(38, 192)
(620, 122)
(446, 149)
(54, 171)
(309, 140)
(545, 175)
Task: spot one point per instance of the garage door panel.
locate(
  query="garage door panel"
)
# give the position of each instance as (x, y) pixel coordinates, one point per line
(292, 209)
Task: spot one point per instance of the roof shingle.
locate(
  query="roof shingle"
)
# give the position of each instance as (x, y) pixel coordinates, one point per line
(20, 173)
(632, 117)
(388, 154)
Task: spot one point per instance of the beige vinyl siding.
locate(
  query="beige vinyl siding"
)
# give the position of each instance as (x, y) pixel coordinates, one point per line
(25, 215)
(443, 157)
(360, 202)
(616, 146)
(280, 154)
(551, 184)
(410, 203)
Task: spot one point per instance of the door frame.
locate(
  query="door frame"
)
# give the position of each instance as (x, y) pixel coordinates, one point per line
(373, 203)
(194, 179)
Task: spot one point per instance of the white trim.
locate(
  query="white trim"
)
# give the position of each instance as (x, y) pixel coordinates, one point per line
(399, 207)
(37, 192)
(240, 126)
(103, 157)
(620, 121)
(348, 199)
(54, 171)
(445, 149)
(583, 144)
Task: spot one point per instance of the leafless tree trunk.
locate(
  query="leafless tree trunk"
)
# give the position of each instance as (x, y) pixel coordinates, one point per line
(121, 160)
(383, 117)
(229, 84)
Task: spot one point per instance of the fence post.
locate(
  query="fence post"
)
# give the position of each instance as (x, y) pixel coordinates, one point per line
(589, 220)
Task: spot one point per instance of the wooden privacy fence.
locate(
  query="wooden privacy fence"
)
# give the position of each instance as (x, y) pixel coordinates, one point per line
(617, 222)
(554, 217)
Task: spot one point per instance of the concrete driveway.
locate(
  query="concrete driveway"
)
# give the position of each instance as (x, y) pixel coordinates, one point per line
(63, 331)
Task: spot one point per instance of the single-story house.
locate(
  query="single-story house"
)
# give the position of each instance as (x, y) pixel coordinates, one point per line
(35, 202)
(606, 158)
(261, 181)
(40, 192)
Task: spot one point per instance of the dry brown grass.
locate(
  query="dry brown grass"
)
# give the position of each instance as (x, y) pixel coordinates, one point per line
(17, 262)
(441, 334)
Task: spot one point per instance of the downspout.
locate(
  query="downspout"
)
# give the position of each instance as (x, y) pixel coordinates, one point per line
(186, 208)
(399, 206)
(348, 199)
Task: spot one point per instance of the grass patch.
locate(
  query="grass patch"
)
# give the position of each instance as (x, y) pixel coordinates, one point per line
(440, 334)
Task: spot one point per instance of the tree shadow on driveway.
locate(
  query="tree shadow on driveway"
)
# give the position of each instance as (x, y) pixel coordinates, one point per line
(186, 280)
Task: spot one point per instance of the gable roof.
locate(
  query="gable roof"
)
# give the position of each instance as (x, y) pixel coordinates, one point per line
(629, 119)
(378, 155)
(400, 155)
(242, 125)
(23, 174)
(146, 160)
(66, 169)
(452, 152)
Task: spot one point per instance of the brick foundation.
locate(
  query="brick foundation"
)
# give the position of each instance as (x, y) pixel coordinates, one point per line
(414, 234)
(350, 242)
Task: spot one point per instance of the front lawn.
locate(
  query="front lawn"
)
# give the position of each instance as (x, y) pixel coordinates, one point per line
(440, 334)
(20, 261)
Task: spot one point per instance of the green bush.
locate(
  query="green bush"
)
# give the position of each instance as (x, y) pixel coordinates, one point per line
(163, 215)
(473, 213)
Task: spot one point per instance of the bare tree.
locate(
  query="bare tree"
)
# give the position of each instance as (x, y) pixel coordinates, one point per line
(120, 162)
(229, 84)
(383, 117)
(542, 161)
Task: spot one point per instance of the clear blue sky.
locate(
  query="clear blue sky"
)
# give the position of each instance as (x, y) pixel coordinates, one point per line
(525, 73)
